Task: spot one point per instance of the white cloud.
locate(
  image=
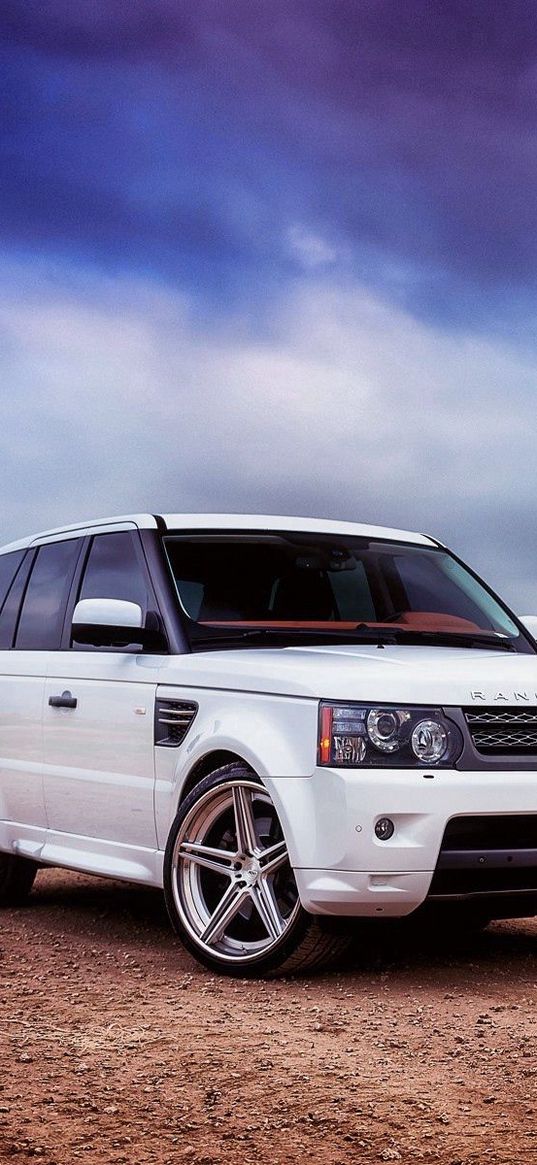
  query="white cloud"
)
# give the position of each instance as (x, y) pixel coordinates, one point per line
(311, 249)
(115, 396)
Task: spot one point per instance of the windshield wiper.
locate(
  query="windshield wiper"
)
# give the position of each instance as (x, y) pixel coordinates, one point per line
(454, 638)
(361, 633)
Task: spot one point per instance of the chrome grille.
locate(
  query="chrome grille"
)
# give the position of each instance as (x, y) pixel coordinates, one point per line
(503, 730)
(172, 721)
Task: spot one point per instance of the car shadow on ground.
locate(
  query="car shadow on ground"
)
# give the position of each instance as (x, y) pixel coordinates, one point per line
(418, 948)
(98, 909)
(73, 901)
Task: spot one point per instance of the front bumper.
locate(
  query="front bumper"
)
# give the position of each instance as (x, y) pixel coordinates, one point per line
(342, 868)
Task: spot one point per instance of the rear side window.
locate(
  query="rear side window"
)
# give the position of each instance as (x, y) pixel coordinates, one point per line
(12, 580)
(114, 570)
(9, 565)
(43, 609)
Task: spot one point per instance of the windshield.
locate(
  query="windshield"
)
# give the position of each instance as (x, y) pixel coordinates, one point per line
(294, 582)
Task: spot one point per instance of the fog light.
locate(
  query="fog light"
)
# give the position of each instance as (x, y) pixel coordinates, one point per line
(384, 828)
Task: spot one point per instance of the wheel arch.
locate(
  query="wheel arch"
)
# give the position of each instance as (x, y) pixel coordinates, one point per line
(218, 758)
(208, 764)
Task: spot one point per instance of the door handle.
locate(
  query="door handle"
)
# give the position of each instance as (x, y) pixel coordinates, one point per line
(66, 700)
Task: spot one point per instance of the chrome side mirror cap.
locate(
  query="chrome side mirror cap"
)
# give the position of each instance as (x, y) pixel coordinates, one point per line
(116, 623)
(108, 612)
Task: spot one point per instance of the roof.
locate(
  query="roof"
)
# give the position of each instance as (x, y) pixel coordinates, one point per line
(222, 522)
(284, 522)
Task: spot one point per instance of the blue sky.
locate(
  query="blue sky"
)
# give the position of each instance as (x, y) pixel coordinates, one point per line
(273, 257)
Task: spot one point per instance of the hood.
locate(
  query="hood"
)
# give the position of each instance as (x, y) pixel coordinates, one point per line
(389, 674)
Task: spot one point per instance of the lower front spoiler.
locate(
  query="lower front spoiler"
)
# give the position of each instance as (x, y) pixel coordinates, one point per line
(502, 889)
(359, 894)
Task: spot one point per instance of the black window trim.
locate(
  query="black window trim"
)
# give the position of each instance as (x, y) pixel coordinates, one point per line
(30, 563)
(164, 590)
(65, 641)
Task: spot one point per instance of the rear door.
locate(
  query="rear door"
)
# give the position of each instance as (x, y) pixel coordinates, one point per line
(99, 754)
(31, 623)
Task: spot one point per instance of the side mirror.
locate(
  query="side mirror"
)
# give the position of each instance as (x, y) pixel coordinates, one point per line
(530, 623)
(115, 623)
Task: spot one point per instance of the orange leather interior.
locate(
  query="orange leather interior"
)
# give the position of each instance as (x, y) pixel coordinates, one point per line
(415, 620)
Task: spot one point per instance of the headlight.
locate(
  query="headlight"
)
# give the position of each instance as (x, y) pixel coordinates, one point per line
(358, 735)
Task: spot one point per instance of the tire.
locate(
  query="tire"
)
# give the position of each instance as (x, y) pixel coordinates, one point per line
(232, 912)
(16, 879)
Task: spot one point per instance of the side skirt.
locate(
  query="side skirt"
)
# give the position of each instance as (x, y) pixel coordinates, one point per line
(88, 855)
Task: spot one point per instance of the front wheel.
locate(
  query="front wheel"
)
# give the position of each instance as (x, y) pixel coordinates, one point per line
(230, 891)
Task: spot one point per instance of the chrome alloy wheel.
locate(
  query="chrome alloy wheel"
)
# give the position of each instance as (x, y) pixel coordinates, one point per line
(231, 880)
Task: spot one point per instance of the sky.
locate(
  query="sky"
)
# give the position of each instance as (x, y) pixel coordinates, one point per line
(273, 256)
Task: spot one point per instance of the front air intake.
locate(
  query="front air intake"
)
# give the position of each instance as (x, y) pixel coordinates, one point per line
(172, 721)
(493, 854)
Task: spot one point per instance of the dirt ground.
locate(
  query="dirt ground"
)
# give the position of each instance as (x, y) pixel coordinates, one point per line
(117, 1048)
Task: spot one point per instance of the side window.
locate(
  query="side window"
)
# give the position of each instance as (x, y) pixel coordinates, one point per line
(9, 570)
(43, 609)
(114, 571)
(9, 565)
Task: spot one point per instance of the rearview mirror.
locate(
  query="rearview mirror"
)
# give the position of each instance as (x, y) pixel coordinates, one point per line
(114, 623)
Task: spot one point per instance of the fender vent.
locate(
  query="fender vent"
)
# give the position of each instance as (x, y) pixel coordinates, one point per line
(172, 721)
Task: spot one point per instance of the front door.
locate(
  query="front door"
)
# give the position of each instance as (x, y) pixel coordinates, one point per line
(98, 717)
(99, 766)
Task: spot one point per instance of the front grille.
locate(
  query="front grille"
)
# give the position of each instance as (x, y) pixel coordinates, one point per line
(501, 731)
(172, 721)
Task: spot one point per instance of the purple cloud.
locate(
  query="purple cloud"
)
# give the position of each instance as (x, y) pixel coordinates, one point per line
(193, 140)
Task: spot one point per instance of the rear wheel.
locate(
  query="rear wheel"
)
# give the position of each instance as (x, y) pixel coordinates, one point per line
(16, 879)
(230, 890)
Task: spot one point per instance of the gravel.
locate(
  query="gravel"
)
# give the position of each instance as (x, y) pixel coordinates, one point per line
(116, 1048)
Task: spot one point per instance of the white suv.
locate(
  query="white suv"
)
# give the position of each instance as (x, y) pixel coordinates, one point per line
(281, 721)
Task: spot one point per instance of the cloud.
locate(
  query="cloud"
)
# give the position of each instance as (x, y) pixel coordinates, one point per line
(120, 395)
(194, 141)
(312, 250)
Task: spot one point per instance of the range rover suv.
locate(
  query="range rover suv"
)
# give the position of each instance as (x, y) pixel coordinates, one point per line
(283, 722)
